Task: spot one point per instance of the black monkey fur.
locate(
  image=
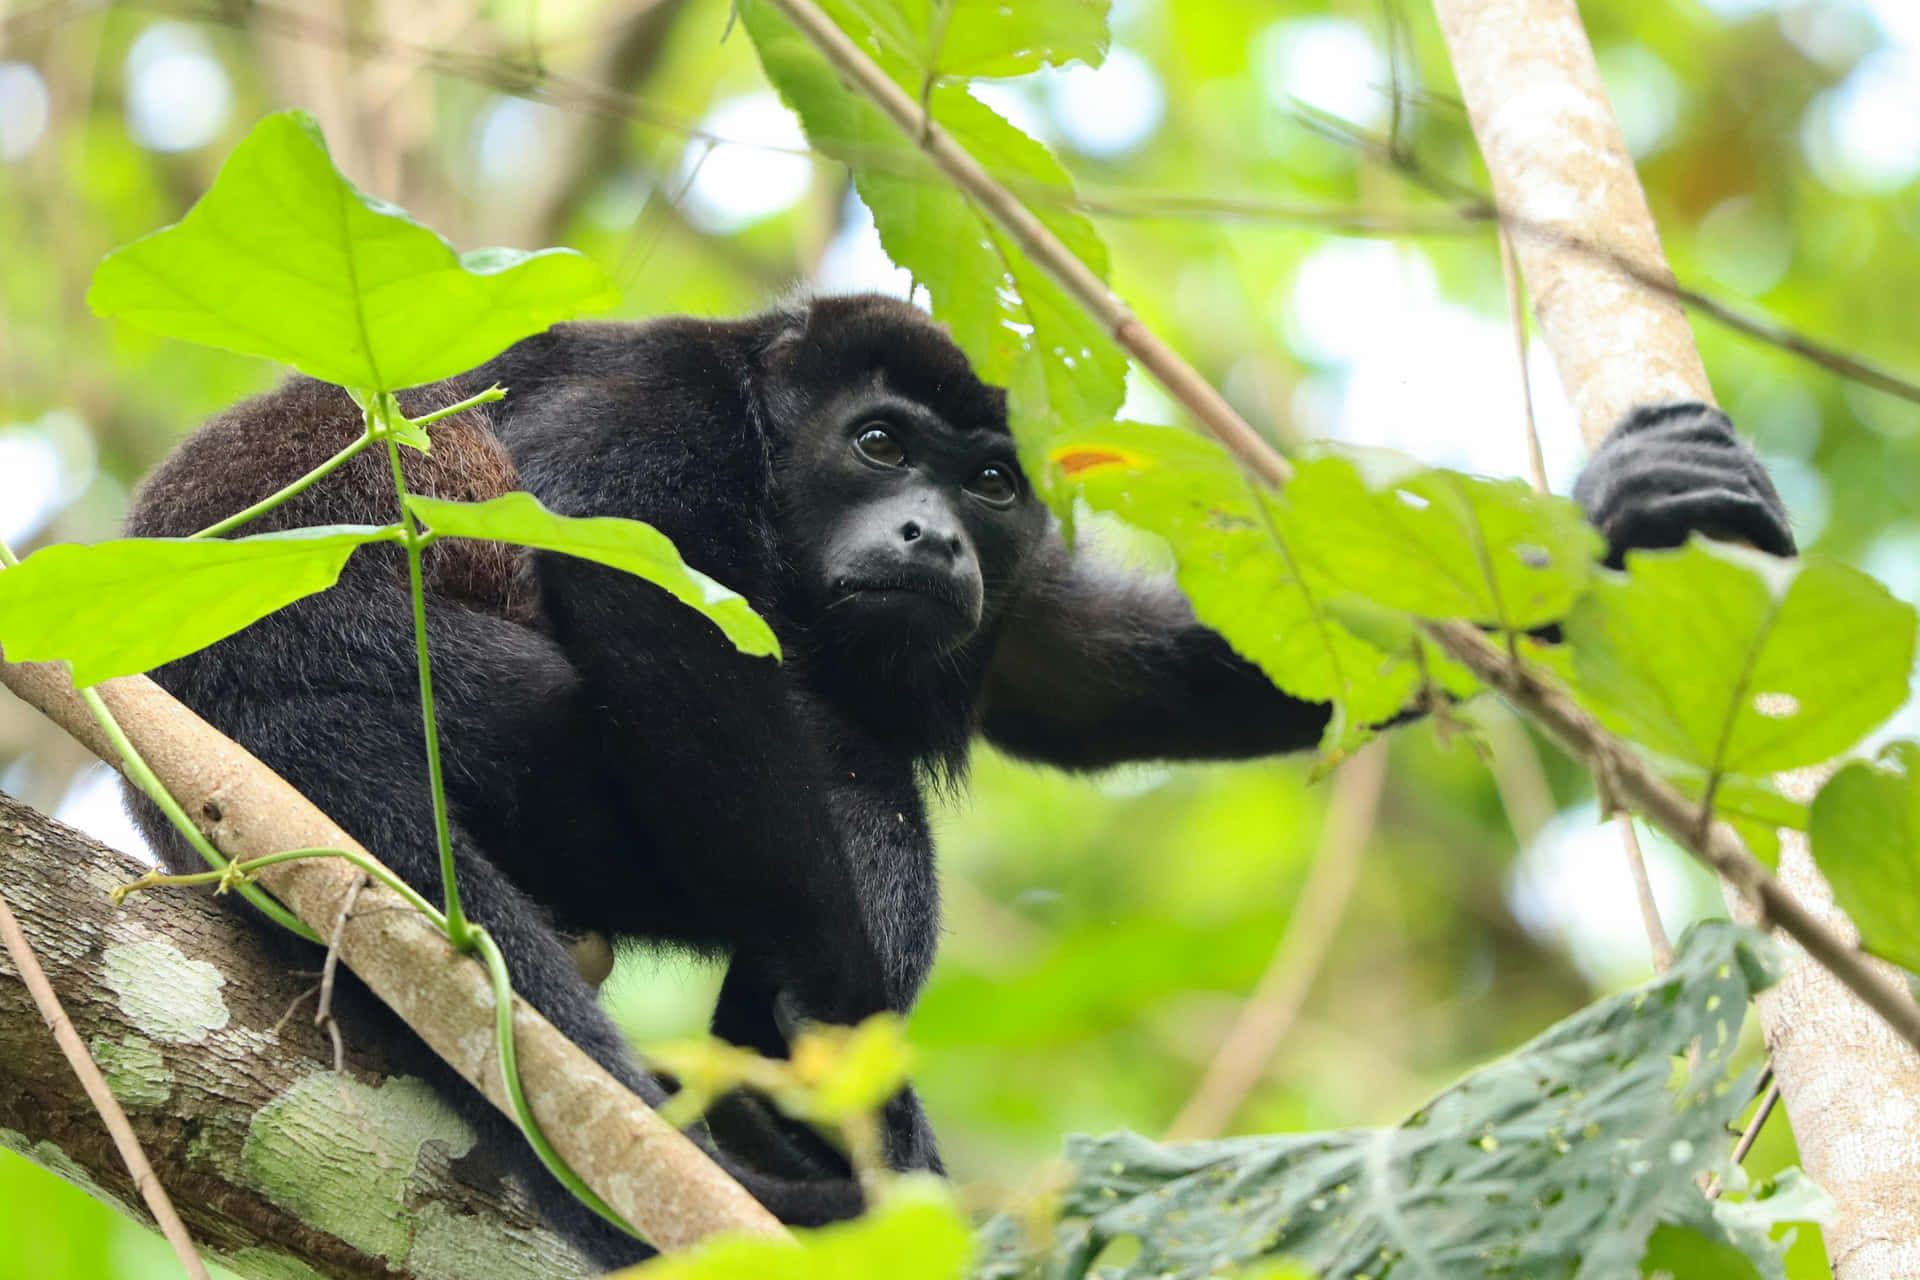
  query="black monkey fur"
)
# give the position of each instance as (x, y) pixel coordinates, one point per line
(613, 765)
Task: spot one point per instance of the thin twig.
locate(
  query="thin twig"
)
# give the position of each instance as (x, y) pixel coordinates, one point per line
(1769, 1099)
(1718, 847)
(1657, 939)
(118, 1127)
(1517, 317)
(323, 1008)
(1271, 1010)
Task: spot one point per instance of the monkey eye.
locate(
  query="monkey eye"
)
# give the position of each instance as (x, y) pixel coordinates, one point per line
(995, 484)
(878, 445)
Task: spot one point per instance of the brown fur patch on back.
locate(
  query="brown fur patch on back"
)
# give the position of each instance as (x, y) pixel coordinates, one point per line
(264, 444)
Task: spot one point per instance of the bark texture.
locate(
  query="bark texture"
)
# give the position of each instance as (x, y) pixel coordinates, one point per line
(279, 1166)
(1562, 174)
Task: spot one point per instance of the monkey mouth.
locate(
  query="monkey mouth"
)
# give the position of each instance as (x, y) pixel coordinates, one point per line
(918, 601)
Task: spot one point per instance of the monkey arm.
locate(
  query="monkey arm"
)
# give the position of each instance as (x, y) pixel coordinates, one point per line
(1095, 667)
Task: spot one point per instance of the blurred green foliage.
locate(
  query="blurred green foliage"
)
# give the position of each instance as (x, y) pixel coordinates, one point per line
(1101, 931)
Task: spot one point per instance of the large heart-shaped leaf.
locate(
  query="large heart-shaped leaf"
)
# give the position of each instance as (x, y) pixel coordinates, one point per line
(286, 259)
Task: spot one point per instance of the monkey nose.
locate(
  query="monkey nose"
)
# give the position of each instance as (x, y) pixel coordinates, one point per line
(933, 538)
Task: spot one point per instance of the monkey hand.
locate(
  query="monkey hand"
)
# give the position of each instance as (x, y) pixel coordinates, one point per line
(1671, 470)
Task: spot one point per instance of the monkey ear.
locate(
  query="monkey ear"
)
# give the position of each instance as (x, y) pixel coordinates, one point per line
(788, 320)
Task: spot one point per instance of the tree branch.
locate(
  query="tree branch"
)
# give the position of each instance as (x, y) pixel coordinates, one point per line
(275, 1162)
(652, 1174)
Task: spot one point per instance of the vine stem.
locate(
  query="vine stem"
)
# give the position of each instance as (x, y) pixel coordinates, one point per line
(279, 496)
(27, 964)
(1181, 380)
(383, 412)
(1714, 845)
(142, 774)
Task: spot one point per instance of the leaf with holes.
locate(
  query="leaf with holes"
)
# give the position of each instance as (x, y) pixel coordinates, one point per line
(123, 607)
(627, 545)
(1866, 838)
(286, 259)
(1557, 1162)
(1731, 661)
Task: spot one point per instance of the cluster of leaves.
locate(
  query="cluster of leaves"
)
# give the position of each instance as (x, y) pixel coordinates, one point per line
(1573, 1157)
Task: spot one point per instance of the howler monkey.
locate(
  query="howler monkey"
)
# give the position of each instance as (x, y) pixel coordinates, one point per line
(612, 764)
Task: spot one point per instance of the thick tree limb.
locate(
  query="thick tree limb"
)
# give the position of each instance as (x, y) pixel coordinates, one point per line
(1558, 162)
(275, 1162)
(647, 1170)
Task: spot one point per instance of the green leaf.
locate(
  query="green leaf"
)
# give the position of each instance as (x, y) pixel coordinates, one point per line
(1866, 838)
(1237, 554)
(917, 1234)
(123, 607)
(1686, 1253)
(1554, 1163)
(286, 259)
(1734, 662)
(627, 545)
(1439, 544)
(851, 1072)
(998, 38)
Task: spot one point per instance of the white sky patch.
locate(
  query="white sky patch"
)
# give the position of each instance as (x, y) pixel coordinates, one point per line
(1108, 111)
(1404, 369)
(1863, 135)
(44, 465)
(855, 261)
(178, 95)
(23, 110)
(93, 803)
(1570, 887)
(1329, 63)
(1019, 102)
(1146, 400)
(509, 141)
(762, 169)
